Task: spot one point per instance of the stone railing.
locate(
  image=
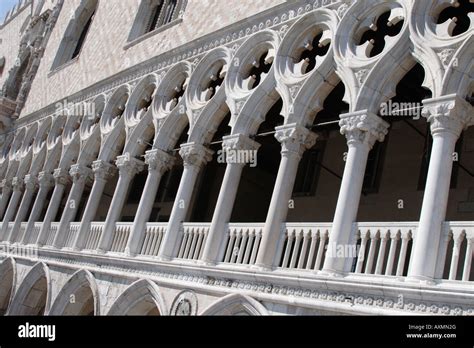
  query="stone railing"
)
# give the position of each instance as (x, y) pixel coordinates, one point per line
(193, 241)
(19, 235)
(72, 234)
(53, 229)
(154, 234)
(455, 256)
(304, 245)
(9, 229)
(242, 244)
(122, 232)
(34, 233)
(94, 236)
(384, 248)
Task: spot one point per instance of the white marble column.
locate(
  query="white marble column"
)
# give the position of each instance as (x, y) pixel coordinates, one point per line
(294, 141)
(31, 183)
(128, 167)
(448, 116)
(195, 157)
(45, 182)
(18, 188)
(233, 147)
(80, 174)
(362, 129)
(61, 179)
(7, 190)
(158, 163)
(103, 171)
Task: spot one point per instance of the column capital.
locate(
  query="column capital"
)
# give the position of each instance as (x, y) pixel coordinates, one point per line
(45, 179)
(363, 127)
(158, 160)
(6, 183)
(239, 149)
(31, 182)
(295, 138)
(80, 172)
(195, 154)
(129, 165)
(103, 170)
(61, 176)
(18, 184)
(448, 113)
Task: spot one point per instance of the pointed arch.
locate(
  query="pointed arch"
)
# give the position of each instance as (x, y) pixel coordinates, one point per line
(33, 294)
(140, 298)
(82, 287)
(236, 304)
(7, 285)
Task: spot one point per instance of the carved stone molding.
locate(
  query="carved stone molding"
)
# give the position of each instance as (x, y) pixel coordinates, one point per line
(103, 170)
(128, 165)
(45, 180)
(80, 172)
(364, 127)
(295, 139)
(195, 154)
(61, 176)
(159, 160)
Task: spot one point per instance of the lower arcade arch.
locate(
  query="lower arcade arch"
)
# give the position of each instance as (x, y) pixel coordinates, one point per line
(141, 298)
(7, 284)
(33, 295)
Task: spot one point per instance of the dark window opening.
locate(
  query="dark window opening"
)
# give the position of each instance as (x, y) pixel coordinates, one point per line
(82, 37)
(373, 169)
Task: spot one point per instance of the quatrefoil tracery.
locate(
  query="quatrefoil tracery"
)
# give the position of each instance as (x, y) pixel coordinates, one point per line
(214, 82)
(455, 19)
(259, 69)
(176, 94)
(313, 48)
(376, 33)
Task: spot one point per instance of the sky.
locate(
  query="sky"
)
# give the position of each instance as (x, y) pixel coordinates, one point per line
(5, 6)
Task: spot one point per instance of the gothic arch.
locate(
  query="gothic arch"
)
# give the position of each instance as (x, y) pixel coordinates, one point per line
(7, 285)
(236, 304)
(81, 286)
(140, 298)
(458, 78)
(33, 294)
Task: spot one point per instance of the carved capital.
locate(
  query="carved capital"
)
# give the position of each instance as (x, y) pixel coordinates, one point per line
(18, 184)
(448, 114)
(295, 139)
(45, 180)
(128, 165)
(239, 142)
(6, 184)
(80, 172)
(195, 154)
(363, 127)
(103, 170)
(61, 176)
(158, 160)
(31, 182)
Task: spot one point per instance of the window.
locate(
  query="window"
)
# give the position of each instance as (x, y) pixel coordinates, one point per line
(308, 171)
(156, 14)
(76, 33)
(373, 169)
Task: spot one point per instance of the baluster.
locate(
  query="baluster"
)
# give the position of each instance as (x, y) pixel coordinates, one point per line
(391, 254)
(323, 236)
(403, 253)
(183, 244)
(229, 245)
(294, 256)
(303, 249)
(255, 247)
(381, 257)
(289, 243)
(360, 259)
(248, 249)
(312, 249)
(467, 260)
(197, 251)
(243, 245)
(237, 245)
(457, 238)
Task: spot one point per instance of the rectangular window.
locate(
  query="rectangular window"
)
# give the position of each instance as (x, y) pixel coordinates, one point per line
(373, 169)
(308, 171)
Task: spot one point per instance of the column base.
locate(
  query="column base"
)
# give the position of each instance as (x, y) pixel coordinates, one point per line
(420, 280)
(331, 273)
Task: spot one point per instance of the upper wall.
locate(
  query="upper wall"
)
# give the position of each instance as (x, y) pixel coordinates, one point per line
(106, 52)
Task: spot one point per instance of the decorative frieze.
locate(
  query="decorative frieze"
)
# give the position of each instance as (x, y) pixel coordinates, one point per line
(295, 139)
(363, 127)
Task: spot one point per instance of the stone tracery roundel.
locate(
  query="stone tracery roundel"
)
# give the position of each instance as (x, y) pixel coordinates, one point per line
(56, 131)
(370, 32)
(251, 65)
(44, 127)
(305, 46)
(208, 78)
(114, 109)
(72, 126)
(140, 100)
(170, 92)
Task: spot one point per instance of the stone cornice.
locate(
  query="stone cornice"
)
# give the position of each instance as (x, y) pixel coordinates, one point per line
(350, 293)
